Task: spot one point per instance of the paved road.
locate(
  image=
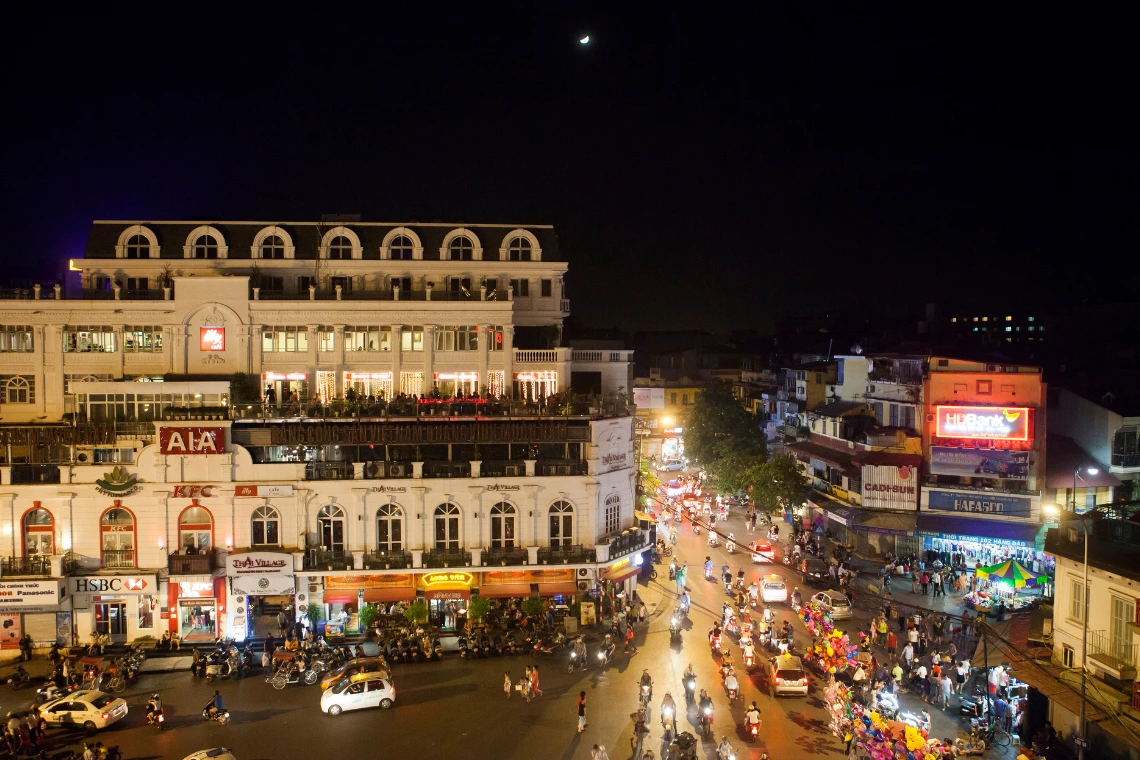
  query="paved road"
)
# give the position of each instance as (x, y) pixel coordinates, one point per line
(458, 709)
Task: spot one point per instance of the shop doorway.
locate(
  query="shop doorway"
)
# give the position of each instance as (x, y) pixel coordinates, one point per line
(111, 619)
(197, 620)
(286, 388)
(444, 613)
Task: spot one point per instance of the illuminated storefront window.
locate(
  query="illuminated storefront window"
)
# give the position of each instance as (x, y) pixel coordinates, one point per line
(496, 384)
(534, 386)
(378, 385)
(412, 383)
(326, 386)
(457, 383)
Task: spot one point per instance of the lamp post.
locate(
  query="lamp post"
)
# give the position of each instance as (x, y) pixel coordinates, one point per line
(1085, 617)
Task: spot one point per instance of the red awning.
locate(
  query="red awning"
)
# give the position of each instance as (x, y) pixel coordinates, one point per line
(500, 590)
(340, 596)
(629, 572)
(566, 588)
(393, 594)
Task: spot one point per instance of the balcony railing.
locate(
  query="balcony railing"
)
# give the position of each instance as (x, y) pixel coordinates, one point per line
(565, 468)
(1117, 654)
(387, 470)
(629, 541)
(118, 559)
(501, 556)
(135, 429)
(24, 474)
(387, 560)
(446, 558)
(426, 408)
(25, 566)
(447, 470)
(328, 471)
(574, 554)
(932, 480)
(324, 559)
(192, 564)
(1126, 460)
(514, 468)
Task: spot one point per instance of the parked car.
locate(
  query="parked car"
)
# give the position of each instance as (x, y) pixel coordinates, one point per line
(773, 589)
(218, 753)
(354, 667)
(353, 694)
(673, 465)
(785, 675)
(834, 602)
(817, 574)
(88, 708)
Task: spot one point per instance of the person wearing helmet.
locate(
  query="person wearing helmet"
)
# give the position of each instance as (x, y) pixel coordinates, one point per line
(724, 749)
(153, 707)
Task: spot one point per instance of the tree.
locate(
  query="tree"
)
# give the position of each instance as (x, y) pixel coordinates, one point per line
(315, 614)
(416, 613)
(478, 608)
(244, 389)
(779, 482)
(532, 606)
(366, 617)
(724, 439)
(648, 485)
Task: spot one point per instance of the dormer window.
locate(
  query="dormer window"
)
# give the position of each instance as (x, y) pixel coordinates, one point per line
(205, 247)
(273, 247)
(401, 249)
(340, 248)
(461, 249)
(519, 249)
(138, 247)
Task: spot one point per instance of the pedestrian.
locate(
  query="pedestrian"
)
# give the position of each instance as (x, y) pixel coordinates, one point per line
(922, 644)
(892, 643)
(525, 682)
(599, 753)
(936, 580)
(963, 671)
(507, 683)
(913, 581)
(535, 691)
(582, 712)
(947, 690)
(908, 656)
(33, 725)
(642, 613)
(925, 583)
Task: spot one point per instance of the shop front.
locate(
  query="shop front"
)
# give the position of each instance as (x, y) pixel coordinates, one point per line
(344, 594)
(285, 387)
(123, 607)
(622, 574)
(196, 606)
(559, 585)
(964, 541)
(33, 607)
(260, 585)
(447, 595)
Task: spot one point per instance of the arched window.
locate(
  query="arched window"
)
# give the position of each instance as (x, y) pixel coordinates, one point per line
(612, 517)
(447, 527)
(195, 530)
(340, 248)
(330, 524)
(266, 527)
(18, 390)
(503, 526)
(461, 249)
(401, 248)
(273, 247)
(561, 524)
(118, 528)
(39, 533)
(519, 249)
(205, 247)
(389, 529)
(138, 247)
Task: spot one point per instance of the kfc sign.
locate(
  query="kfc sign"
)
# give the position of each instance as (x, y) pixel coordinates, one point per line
(989, 422)
(193, 492)
(192, 440)
(212, 339)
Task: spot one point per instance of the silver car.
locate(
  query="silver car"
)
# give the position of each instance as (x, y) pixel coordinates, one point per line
(835, 603)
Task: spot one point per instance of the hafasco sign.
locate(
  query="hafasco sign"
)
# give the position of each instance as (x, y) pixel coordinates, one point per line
(192, 440)
(987, 504)
(259, 563)
(114, 584)
(212, 339)
(118, 482)
(1003, 423)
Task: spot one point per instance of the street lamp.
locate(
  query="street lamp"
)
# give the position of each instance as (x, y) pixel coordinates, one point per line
(1054, 511)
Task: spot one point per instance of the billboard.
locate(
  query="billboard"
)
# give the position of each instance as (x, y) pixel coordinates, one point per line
(191, 440)
(981, 503)
(649, 398)
(1003, 423)
(890, 487)
(983, 463)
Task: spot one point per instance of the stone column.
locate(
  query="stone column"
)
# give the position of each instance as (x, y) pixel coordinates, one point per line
(509, 360)
(311, 363)
(429, 355)
(397, 356)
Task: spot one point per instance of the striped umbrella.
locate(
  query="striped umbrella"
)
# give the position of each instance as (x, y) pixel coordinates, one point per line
(1011, 571)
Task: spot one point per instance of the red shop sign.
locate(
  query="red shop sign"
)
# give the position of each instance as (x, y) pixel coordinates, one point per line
(192, 440)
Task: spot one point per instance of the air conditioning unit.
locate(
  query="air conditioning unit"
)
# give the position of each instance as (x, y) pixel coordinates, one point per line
(397, 470)
(583, 572)
(991, 368)
(583, 585)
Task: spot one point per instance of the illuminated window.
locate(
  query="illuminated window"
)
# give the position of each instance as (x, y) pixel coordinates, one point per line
(330, 527)
(340, 248)
(447, 527)
(205, 247)
(1031, 319)
(534, 386)
(975, 319)
(519, 249)
(503, 526)
(1032, 328)
(89, 339)
(1008, 328)
(613, 514)
(975, 329)
(457, 384)
(461, 249)
(1008, 318)
(145, 339)
(326, 386)
(273, 247)
(412, 383)
(138, 247)
(496, 383)
(401, 249)
(367, 338)
(457, 338)
(953, 319)
(389, 528)
(326, 338)
(498, 338)
(15, 339)
(1041, 328)
(412, 338)
(985, 319)
(288, 339)
(378, 385)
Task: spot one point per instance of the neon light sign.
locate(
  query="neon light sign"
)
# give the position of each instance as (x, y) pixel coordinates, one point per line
(987, 422)
(212, 339)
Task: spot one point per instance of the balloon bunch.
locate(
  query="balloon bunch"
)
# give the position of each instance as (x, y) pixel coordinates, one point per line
(834, 652)
(817, 620)
(877, 738)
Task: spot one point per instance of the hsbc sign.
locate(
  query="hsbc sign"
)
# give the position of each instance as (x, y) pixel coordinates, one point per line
(113, 584)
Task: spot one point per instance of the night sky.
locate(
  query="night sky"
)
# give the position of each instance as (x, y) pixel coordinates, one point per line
(703, 169)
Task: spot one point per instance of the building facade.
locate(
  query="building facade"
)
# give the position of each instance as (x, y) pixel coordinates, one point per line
(322, 414)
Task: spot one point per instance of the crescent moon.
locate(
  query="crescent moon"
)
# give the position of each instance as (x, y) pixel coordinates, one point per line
(585, 39)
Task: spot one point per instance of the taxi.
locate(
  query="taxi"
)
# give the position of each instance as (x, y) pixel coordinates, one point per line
(773, 589)
(762, 551)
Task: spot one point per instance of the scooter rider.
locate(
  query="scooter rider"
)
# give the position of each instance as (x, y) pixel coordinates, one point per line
(797, 598)
(690, 681)
(153, 708)
(609, 647)
(740, 578)
(216, 704)
(714, 635)
(708, 568)
(668, 711)
(731, 685)
(724, 749)
(749, 650)
(726, 574)
(752, 718)
(647, 680)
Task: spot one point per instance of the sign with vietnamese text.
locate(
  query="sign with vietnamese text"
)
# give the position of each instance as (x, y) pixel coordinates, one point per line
(979, 463)
(890, 487)
(113, 584)
(649, 398)
(458, 579)
(31, 596)
(212, 339)
(191, 440)
(981, 503)
(1005, 423)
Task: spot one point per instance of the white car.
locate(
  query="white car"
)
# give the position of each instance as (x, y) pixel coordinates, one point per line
(787, 676)
(834, 602)
(773, 589)
(88, 708)
(218, 753)
(356, 695)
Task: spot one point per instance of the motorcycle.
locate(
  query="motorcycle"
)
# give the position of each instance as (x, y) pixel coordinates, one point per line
(668, 722)
(675, 627)
(751, 730)
(437, 649)
(51, 690)
(221, 716)
(690, 688)
(605, 654)
(548, 646)
(464, 648)
(19, 679)
(155, 718)
(706, 721)
(575, 662)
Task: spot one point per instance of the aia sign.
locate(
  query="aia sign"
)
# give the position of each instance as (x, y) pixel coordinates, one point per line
(192, 440)
(212, 338)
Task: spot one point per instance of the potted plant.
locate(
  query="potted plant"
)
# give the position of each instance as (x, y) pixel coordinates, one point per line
(478, 608)
(315, 613)
(417, 612)
(366, 618)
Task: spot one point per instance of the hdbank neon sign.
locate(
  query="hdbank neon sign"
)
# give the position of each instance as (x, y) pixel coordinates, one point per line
(995, 423)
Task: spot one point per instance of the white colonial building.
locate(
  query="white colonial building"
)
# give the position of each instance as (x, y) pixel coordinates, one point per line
(332, 412)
